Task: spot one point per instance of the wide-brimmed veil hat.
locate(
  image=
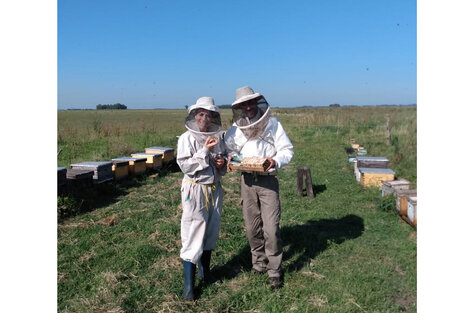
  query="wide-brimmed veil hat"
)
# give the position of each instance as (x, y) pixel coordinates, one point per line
(206, 103)
(244, 94)
(251, 127)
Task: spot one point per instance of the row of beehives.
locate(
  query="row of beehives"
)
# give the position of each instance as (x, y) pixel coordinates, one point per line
(374, 171)
(96, 172)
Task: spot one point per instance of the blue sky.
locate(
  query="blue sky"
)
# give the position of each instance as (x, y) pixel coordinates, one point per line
(166, 54)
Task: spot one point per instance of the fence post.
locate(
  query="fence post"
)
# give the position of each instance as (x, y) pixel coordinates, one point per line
(303, 173)
(300, 178)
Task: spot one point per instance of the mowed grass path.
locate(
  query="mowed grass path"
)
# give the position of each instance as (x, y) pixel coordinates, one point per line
(341, 252)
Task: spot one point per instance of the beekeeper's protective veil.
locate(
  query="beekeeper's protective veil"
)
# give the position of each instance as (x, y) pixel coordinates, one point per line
(203, 119)
(251, 112)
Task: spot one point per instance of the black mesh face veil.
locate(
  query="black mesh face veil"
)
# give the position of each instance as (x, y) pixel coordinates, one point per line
(215, 123)
(252, 116)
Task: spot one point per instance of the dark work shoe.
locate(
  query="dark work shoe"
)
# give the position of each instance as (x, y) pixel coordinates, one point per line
(275, 282)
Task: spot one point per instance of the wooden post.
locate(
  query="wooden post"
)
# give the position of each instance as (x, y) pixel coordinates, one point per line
(308, 182)
(303, 172)
(300, 178)
(388, 130)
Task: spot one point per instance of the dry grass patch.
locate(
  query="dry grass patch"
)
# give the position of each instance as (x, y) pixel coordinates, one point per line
(318, 300)
(165, 264)
(87, 256)
(109, 220)
(313, 274)
(237, 283)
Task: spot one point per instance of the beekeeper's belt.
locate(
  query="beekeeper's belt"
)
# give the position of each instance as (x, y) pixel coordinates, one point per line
(207, 187)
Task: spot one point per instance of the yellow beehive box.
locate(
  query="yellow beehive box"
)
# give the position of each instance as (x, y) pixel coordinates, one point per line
(136, 165)
(168, 153)
(120, 169)
(154, 160)
(401, 200)
(375, 176)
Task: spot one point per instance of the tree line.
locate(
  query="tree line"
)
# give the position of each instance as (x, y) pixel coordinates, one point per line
(116, 106)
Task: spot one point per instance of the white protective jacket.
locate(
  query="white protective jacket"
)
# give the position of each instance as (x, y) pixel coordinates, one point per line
(273, 143)
(201, 196)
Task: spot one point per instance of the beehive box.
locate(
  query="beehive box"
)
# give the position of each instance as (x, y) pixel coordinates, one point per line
(372, 162)
(251, 164)
(389, 187)
(355, 146)
(80, 177)
(120, 169)
(412, 209)
(357, 174)
(102, 170)
(401, 200)
(168, 153)
(375, 176)
(362, 152)
(154, 160)
(61, 176)
(136, 165)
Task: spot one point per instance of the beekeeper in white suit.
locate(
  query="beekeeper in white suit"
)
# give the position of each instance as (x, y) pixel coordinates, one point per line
(255, 133)
(200, 156)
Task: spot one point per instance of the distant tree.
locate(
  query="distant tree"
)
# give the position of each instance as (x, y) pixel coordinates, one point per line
(334, 105)
(116, 106)
(225, 106)
(186, 106)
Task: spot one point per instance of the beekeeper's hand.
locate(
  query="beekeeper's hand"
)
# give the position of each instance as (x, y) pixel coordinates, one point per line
(272, 164)
(211, 142)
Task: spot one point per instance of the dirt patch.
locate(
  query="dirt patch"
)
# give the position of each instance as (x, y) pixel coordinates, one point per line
(405, 302)
(109, 221)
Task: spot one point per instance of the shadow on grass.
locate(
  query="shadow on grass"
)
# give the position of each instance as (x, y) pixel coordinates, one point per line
(349, 150)
(76, 199)
(301, 243)
(318, 189)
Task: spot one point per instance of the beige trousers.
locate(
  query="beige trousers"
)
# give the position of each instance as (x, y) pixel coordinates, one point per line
(262, 215)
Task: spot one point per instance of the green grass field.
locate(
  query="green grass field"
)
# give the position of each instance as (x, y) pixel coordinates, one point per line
(118, 244)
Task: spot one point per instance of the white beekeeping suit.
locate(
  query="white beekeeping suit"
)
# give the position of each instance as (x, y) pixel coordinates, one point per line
(201, 190)
(260, 136)
(255, 133)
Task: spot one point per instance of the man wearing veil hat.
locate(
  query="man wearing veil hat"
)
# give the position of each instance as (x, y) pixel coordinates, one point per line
(255, 133)
(200, 157)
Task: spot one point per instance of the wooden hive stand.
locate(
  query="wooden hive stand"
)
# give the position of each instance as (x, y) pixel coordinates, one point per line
(303, 174)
